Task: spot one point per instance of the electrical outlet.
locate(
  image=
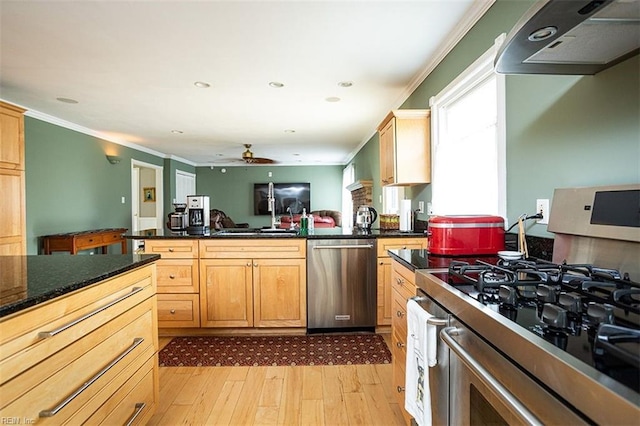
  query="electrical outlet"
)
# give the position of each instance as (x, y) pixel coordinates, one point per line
(420, 206)
(542, 206)
(429, 209)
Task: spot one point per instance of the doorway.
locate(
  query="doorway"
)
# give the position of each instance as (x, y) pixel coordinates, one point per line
(147, 204)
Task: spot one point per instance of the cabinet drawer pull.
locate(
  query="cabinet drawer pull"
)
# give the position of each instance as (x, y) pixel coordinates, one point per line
(173, 277)
(139, 407)
(400, 345)
(399, 281)
(400, 389)
(172, 311)
(170, 250)
(47, 334)
(399, 314)
(248, 263)
(255, 264)
(55, 410)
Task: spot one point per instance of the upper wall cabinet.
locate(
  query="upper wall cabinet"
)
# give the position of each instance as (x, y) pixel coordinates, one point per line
(13, 218)
(405, 148)
(11, 137)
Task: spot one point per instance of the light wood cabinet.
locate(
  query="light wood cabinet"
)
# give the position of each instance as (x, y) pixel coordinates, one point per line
(91, 354)
(178, 282)
(405, 147)
(403, 288)
(384, 301)
(12, 183)
(253, 283)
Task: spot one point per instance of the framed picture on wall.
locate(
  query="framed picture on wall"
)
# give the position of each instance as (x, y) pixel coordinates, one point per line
(149, 194)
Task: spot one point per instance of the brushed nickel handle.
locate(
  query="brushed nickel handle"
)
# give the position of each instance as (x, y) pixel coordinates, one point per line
(47, 334)
(400, 345)
(400, 389)
(255, 264)
(55, 410)
(399, 281)
(139, 407)
(399, 314)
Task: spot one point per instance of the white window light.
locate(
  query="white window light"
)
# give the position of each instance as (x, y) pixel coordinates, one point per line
(468, 142)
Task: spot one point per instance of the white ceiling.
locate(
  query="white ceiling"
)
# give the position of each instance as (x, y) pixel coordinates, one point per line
(132, 65)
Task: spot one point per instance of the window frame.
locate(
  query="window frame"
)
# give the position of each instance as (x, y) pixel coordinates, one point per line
(471, 77)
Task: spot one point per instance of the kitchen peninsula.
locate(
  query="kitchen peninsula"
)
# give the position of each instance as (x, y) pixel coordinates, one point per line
(78, 338)
(251, 280)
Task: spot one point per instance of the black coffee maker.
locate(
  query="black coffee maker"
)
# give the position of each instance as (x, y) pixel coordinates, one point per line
(198, 214)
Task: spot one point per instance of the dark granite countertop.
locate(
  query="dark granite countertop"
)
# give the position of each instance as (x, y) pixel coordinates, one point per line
(319, 233)
(26, 281)
(422, 259)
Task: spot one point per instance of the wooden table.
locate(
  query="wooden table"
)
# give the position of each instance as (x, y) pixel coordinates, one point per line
(85, 240)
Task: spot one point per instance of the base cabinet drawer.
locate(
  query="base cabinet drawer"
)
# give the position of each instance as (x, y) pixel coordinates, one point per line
(135, 401)
(178, 276)
(178, 310)
(76, 378)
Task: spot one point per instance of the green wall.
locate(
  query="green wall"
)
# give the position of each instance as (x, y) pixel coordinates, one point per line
(561, 131)
(232, 191)
(70, 185)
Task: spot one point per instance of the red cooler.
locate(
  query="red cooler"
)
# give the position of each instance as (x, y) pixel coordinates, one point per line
(465, 235)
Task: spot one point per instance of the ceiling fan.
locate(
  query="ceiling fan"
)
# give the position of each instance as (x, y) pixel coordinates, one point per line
(247, 157)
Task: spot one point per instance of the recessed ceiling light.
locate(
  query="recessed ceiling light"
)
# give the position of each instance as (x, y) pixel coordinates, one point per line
(332, 99)
(201, 84)
(289, 131)
(276, 84)
(67, 100)
(177, 132)
(345, 84)
(543, 33)
(296, 155)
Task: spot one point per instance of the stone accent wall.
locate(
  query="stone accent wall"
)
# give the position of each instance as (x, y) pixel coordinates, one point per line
(362, 197)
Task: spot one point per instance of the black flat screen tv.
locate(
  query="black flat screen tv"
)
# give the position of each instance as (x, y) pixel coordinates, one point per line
(296, 196)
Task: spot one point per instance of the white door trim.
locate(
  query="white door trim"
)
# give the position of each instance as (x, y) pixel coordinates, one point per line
(135, 191)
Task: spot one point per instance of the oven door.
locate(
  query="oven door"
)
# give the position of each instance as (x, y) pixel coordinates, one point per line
(486, 388)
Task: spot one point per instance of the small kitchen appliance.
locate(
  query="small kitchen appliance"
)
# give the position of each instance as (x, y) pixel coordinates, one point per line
(178, 220)
(465, 235)
(365, 216)
(198, 214)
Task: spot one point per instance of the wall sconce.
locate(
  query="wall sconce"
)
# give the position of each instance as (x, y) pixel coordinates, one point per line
(113, 159)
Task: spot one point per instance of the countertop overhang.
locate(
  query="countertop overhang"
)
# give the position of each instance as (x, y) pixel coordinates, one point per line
(27, 281)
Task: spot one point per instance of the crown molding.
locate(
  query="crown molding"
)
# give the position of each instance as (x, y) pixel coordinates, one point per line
(90, 132)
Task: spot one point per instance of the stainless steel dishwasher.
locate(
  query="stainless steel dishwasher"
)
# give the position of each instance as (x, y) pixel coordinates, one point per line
(341, 284)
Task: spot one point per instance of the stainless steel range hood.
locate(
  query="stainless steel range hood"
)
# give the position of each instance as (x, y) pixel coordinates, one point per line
(577, 37)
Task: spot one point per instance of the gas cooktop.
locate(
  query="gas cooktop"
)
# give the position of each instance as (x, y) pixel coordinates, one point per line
(591, 313)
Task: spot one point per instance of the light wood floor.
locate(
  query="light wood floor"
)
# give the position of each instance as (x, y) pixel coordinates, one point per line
(311, 395)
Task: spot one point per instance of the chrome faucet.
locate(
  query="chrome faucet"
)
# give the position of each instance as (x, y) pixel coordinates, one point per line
(271, 200)
(291, 224)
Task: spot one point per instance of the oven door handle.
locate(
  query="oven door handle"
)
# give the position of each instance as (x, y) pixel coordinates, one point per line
(503, 394)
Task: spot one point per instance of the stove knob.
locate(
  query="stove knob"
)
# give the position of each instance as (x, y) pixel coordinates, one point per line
(600, 313)
(508, 295)
(546, 293)
(572, 302)
(554, 316)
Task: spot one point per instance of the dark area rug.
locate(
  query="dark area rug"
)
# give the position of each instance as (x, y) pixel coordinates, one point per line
(331, 349)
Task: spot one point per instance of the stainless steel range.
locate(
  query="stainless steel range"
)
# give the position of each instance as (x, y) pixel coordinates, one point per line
(530, 341)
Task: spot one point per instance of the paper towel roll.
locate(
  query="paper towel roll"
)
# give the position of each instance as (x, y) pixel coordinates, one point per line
(406, 224)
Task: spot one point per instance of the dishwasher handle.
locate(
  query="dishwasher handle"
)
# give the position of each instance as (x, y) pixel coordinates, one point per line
(344, 246)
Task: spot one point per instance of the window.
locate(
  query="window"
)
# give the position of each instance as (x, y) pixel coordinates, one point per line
(391, 196)
(469, 160)
(348, 177)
